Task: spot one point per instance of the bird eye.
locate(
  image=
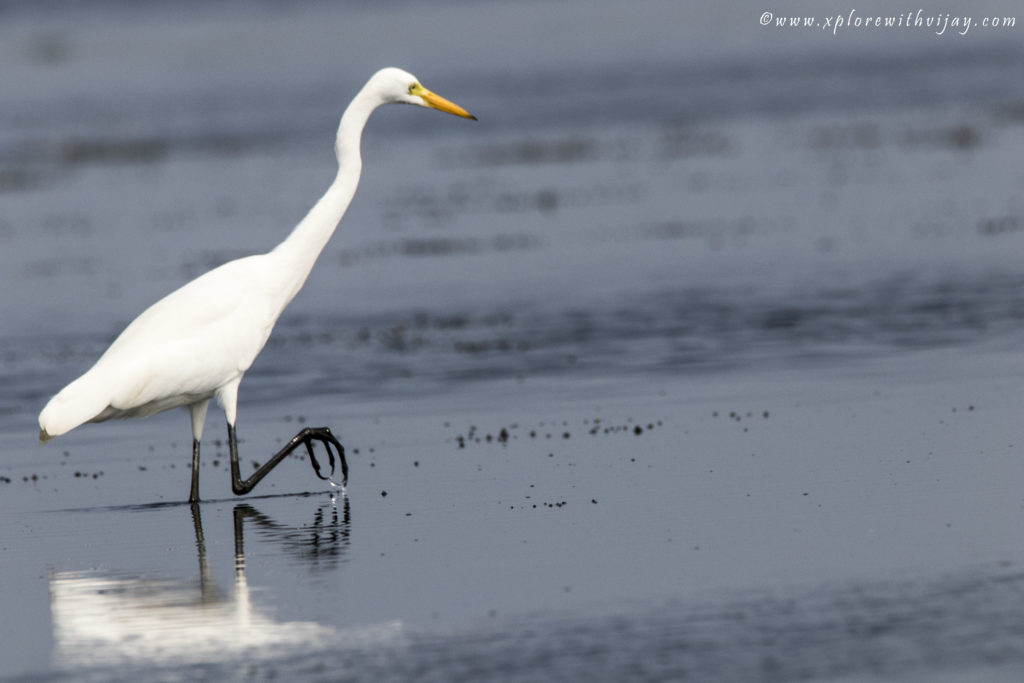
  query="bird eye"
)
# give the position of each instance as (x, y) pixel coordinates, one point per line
(413, 87)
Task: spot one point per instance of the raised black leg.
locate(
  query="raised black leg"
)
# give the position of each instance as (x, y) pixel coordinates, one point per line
(193, 496)
(306, 438)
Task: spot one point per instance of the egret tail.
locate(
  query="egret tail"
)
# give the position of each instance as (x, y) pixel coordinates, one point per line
(77, 403)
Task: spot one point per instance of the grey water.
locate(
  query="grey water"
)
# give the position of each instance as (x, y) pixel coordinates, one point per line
(695, 358)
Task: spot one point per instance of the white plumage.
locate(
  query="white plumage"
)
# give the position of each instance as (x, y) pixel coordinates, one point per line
(198, 341)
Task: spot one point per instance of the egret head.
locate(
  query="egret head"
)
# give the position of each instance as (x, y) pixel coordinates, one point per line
(396, 85)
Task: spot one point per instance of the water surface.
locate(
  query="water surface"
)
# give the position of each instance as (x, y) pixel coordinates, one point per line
(694, 358)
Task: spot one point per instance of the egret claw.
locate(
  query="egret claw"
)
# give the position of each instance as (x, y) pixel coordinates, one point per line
(330, 438)
(330, 455)
(324, 436)
(312, 458)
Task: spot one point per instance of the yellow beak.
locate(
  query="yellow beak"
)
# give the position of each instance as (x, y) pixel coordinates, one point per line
(441, 104)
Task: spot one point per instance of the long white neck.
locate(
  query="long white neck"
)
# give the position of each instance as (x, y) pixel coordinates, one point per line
(299, 251)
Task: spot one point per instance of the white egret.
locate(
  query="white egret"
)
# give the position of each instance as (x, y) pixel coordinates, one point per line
(198, 341)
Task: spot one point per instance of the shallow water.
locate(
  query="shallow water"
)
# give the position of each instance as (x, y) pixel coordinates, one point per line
(692, 359)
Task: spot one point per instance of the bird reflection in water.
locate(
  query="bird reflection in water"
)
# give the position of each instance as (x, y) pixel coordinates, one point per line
(320, 546)
(101, 619)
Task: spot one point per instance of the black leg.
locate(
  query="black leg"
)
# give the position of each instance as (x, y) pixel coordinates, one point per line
(306, 438)
(193, 496)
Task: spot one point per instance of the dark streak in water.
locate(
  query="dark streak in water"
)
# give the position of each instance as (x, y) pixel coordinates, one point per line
(688, 330)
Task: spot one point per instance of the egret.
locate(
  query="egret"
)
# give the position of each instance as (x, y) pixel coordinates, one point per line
(197, 342)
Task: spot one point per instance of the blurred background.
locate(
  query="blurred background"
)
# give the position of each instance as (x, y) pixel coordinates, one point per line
(650, 187)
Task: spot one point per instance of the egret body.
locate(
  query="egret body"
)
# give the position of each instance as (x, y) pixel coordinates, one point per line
(197, 342)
